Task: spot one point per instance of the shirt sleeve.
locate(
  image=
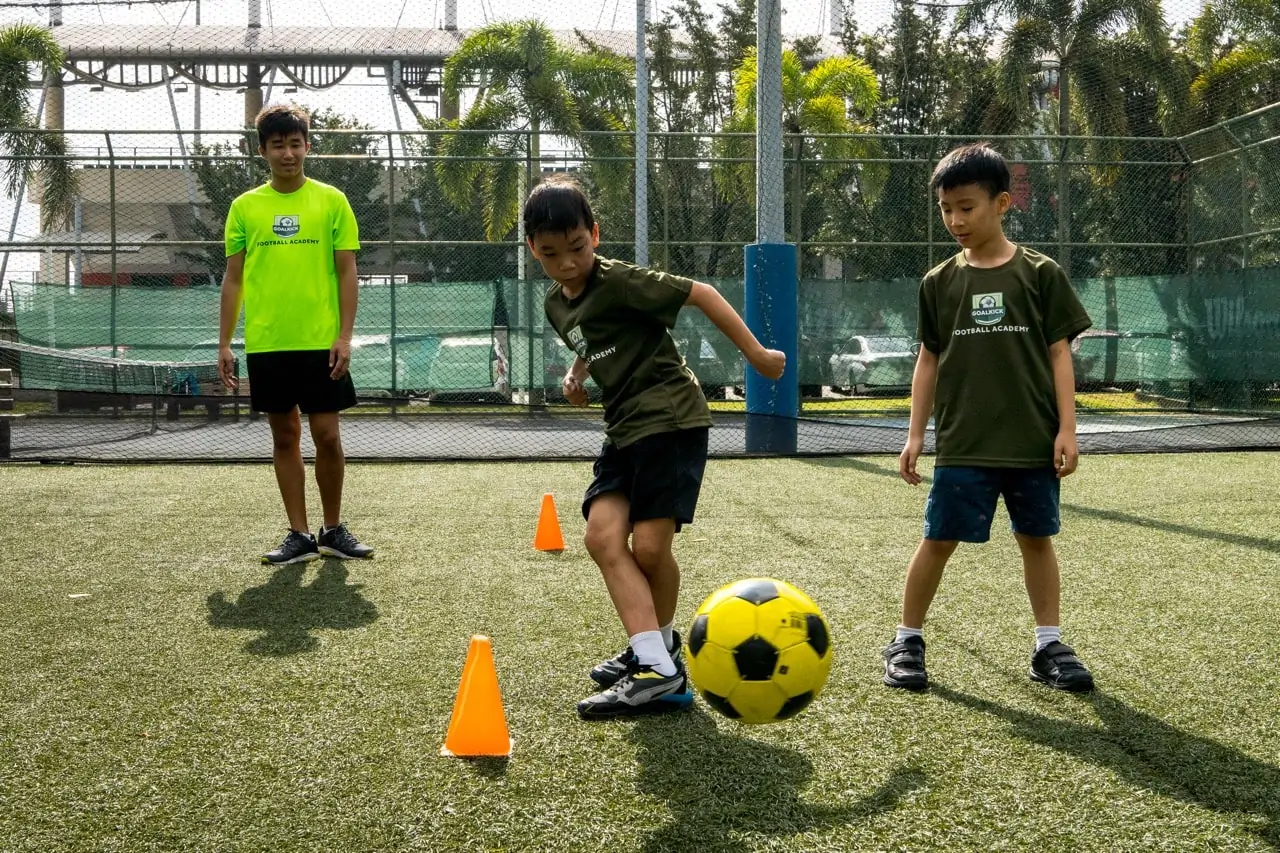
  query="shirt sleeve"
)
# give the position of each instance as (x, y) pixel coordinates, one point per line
(927, 316)
(346, 232)
(656, 294)
(233, 231)
(1064, 314)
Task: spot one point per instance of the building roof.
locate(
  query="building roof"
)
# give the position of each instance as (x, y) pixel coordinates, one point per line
(341, 45)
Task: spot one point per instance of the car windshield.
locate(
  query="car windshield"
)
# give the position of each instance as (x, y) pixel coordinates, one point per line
(889, 344)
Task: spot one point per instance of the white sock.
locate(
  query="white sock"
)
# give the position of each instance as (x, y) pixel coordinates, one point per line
(1046, 634)
(652, 652)
(668, 635)
(904, 632)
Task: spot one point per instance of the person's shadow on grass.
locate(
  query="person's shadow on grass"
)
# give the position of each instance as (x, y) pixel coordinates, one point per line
(723, 789)
(1146, 751)
(286, 612)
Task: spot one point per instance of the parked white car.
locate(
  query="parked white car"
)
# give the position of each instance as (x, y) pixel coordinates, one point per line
(873, 363)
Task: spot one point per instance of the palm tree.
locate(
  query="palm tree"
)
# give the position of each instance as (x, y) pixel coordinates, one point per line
(1073, 35)
(529, 85)
(833, 101)
(34, 154)
(1236, 43)
(824, 109)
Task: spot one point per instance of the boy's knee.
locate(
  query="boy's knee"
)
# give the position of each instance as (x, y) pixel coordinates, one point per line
(602, 542)
(651, 553)
(328, 442)
(285, 437)
(939, 548)
(1034, 544)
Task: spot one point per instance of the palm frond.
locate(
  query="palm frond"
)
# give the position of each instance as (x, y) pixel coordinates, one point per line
(57, 181)
(1028, 40)
(744, 85)
(847, 77)
(826, 114)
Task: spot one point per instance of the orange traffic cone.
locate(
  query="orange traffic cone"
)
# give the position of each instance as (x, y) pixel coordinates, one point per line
(548, 537)
(478, 726)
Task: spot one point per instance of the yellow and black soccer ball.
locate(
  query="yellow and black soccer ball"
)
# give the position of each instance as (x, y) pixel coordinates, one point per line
(759, 650)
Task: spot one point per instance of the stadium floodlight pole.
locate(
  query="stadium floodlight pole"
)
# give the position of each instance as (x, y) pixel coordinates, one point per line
(770, 264)
(642, 136)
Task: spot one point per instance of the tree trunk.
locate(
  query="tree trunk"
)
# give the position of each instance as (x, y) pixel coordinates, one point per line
(1064, 171)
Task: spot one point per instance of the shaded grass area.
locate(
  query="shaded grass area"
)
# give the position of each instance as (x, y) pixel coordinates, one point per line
(166, 692)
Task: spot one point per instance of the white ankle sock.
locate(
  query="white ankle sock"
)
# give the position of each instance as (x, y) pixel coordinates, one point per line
(668, 635)
(652, 652)
(904, 632)
(1046, 634)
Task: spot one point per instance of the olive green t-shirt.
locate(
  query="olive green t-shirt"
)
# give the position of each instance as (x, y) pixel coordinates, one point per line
(991, 330)
(290, 278)
(621, 326)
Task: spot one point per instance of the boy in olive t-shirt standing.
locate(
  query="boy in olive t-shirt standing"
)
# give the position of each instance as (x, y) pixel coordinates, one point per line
(995, 327)
(617, 318)
(291, 258)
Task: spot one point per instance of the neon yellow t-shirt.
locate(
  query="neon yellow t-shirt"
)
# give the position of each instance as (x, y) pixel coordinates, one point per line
(290, 280)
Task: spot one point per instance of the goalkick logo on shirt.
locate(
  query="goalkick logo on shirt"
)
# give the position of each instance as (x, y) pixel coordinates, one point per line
(579, 342)
(285, 226)
(988, 308)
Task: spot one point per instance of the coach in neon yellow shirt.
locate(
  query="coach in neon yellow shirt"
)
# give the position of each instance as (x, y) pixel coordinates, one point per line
(291, 260)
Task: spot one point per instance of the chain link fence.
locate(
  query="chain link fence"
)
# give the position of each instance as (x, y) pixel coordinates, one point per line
(1174, 245)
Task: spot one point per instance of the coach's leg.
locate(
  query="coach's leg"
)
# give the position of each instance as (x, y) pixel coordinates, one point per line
(331, 464)
(291, 473)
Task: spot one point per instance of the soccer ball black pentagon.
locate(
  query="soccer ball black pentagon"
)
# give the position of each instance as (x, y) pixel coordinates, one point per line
(759, 650)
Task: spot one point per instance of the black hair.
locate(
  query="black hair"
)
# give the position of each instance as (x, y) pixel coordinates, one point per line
(281, 120)
(978, 163)
(557, 205)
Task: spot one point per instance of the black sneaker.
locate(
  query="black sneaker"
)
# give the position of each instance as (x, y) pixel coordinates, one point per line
(639, 691)
(1057, 666)
(340, 542)
(904, 664)
(607, 673)
(296, 548)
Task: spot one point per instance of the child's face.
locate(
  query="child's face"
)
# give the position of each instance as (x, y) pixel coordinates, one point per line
(567, 257)
(972, 215)
(284, 154)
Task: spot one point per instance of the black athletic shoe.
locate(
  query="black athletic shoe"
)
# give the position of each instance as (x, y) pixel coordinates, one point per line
(296, 548)
(639, 691)
(340, 542)
(1057, 666)
(607, 673)
(904, 664)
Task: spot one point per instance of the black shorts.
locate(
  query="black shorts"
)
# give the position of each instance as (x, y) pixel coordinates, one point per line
(660, 475)
(278, 381)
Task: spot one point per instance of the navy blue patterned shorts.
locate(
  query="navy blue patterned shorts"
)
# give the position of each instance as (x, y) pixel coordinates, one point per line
(962, 502)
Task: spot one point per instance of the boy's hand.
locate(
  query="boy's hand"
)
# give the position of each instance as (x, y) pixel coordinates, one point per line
(574, 391)
(339, 358)
(1066, 454)
(907, 461)
(770, 363)
(227, 367)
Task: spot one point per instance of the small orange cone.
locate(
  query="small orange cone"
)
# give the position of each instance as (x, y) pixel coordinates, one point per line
(548, 537)
(478, 726)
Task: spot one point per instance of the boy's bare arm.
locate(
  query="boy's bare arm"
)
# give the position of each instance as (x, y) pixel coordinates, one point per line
(924, 381)
(228, 314)
(1066, 452)
(572, 386)
(344, 262)
(769, 363)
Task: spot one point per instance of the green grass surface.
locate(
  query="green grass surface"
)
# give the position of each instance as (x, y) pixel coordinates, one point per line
(163, 691)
